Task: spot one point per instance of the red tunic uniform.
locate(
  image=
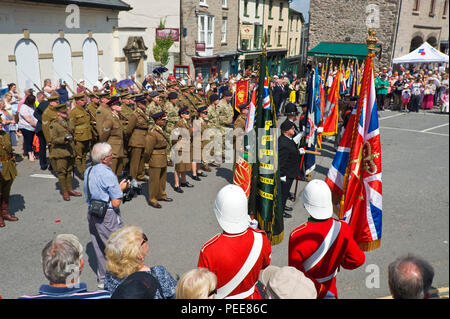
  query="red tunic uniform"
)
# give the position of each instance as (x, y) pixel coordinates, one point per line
(319, 248)
(225, 254)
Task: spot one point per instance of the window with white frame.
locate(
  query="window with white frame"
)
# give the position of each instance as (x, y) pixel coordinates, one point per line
(224, 3)
(203, 3)
(206, 30)
(224, 31)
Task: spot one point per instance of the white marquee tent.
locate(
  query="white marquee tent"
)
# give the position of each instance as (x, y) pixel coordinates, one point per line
(423, 54)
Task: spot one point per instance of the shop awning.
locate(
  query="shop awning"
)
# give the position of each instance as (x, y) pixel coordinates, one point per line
(340, 50)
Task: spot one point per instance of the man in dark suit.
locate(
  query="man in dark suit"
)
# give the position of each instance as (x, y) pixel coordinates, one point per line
(277, 95)
(289, 161)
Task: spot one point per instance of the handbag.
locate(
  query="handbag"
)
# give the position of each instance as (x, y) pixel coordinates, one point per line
(96, 207)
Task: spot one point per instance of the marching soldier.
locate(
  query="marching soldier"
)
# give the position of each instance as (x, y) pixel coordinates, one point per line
(112, 133)
(49, 115)
(91, 108)
(154, 106)
(171, 110)
(102, 114)
(137, 129)
(213, 122)
(155, 153)
(62, 150)
(203, 125)
(8, 173)
(225, 116)
(184, 145)
(80, 125)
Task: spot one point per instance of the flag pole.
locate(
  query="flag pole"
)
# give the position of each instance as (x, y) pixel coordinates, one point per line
(371, 42)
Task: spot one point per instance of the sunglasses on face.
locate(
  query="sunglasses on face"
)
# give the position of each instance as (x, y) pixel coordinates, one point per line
(144, 239)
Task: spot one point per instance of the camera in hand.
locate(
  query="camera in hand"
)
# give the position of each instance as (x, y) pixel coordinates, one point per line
(132, 190)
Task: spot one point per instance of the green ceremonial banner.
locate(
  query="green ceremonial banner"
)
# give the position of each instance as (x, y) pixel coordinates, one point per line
(265, 200)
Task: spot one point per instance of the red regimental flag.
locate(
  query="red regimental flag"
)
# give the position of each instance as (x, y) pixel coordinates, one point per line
(241, 95)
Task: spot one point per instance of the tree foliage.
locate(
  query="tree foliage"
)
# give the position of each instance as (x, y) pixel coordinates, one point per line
(162, 46)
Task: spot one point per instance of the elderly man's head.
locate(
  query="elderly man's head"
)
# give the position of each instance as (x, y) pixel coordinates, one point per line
(100, 152)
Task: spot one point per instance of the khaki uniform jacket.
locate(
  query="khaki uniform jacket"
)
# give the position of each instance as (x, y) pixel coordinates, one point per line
(48, 116)
(155, 148)
(59, 129)
(8, 170)
(225, 113)
(80, 124)
(137, 128)
(240, 122)
(112, 133)
(187, 144)
(103, 113)
(172, 116)
(213, 117)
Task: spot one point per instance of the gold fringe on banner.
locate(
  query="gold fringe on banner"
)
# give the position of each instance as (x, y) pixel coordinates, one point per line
(370, 245)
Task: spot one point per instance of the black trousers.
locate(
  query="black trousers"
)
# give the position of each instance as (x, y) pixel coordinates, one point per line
(285, 189)
(42, 150)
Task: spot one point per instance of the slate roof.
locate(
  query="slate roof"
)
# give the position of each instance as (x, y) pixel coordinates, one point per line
(107, 4)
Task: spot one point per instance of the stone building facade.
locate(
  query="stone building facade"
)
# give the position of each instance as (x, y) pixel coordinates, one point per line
(209, 37)
(345, 21)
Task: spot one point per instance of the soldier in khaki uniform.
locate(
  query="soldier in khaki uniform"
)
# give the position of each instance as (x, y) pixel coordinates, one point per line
(239, 131)
(62, 150)
(225, 116)
(203, 125)
(80, 125)
(155, 154)
(112, 133)
(91, 108)
(171, 110)
(8, 173)
(187, 100)
(47, 116)
(102, 114)
(137, 130)
(213, 123)
(154, 107)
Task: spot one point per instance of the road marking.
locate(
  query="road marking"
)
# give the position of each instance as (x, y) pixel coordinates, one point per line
(391, 116)
(409, 130)
(434, 127)
(48, 176)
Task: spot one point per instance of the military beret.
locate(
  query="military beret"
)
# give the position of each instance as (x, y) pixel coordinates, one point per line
(183, 109)
(213, 98)
(140, 99)
(54, 97)
(227, 93)
(159, 115)
(114, 101)
(61, 108)
(78, 96)
(173, 95)
(286, 126)
(202, 108)
(243, 105)
(153, 94)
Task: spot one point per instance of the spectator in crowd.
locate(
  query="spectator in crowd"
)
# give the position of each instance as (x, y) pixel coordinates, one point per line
(307, 250)
(287, 283)
(429, 92)
(444, 101)
(126, 250)
(398, 87)
(198, 283)
(81, 86)
(138, 285)
(381, 87)
(100, 183)
(226, 253)
(12, 88)
(62, 93)
(9, 122)
(416, 91)
(48, 88)
(8, 101)
(27, 124)
(410, 277)
(406, 96)
(62, 264)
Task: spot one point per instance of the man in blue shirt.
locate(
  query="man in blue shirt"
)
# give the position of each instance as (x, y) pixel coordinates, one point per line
(103, 185)
(62, 263)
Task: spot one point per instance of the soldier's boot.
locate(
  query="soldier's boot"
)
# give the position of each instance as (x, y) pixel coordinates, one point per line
(4, 213)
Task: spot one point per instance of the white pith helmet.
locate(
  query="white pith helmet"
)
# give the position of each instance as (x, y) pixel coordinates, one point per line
(231, 209)
(316, 198)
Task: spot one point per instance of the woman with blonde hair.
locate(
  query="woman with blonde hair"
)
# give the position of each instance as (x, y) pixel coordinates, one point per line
(198, 283)
(125, 253)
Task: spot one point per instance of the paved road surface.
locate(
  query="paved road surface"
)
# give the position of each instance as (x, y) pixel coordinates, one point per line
(415, 158)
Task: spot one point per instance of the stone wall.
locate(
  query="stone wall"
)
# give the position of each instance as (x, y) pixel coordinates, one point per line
(345, 21)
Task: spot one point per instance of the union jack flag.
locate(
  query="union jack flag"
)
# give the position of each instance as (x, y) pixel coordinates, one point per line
(266, 97)
(362, 206)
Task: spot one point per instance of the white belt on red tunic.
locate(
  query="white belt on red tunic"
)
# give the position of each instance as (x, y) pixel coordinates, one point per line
(324, 247)
(252, 258)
